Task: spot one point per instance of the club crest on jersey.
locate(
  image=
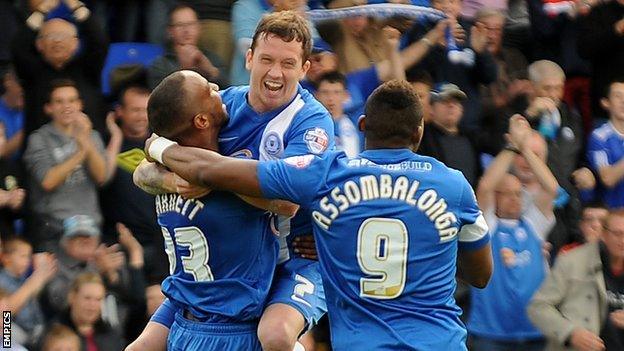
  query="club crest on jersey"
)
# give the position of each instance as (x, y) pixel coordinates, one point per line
(273, 144)
(317, 140)
(299, 161)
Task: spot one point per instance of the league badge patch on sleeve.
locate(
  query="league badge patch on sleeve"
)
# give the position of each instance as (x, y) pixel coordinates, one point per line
(299, 161)
(317, 140)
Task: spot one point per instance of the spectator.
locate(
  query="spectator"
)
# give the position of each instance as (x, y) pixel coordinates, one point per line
(601, 41)
(84, 315)
(12, 114)
(511, 87)
(332, 93)
(478, 68)
(81, 252)
(11, 194)
(590, 225)
(556, 37)
(471, 8)
(16, 260)
(122, 201)
(442, 138)
(65, 164)
(216, 28)
(580, 306)
(61, 338)
(183, 53)
(140, 315)
(423, 84)
(605, 149)
(358, 41)
(498, 319)
(563, 131)
(43, 52)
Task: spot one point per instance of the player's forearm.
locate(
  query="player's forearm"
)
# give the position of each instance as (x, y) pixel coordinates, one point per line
(611, 175)
(153, 178)
(475, 267)
(208, 168)
(280, 207)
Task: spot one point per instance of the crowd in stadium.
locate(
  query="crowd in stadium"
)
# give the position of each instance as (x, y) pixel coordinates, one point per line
(83, 255)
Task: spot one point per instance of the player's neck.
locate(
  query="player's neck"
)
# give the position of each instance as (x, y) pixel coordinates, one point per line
(376, 145)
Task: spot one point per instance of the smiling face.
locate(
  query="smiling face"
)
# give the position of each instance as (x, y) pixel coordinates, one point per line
(63, 105)
(276, 67)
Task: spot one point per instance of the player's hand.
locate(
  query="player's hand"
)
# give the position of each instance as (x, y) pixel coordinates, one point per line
(617, 318)
(148, 142)
(188, 190)
(304, 246)
(584, 179)
(584, 340)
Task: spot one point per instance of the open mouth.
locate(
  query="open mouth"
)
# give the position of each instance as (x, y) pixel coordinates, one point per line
(273, 86)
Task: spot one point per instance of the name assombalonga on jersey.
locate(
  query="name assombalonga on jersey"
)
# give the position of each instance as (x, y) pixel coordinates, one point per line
(388, 225)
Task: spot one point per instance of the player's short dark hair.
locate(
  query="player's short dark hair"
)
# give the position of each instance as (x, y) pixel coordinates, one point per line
(288, 25)
(167, 105)
(179, 6)
(393, 112)
(420, 76)
(133, 88)
(61, 83)
(332, 77)
(616, 80)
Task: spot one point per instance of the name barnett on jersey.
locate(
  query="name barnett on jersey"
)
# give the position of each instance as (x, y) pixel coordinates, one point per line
(176, 203)
(371, 187)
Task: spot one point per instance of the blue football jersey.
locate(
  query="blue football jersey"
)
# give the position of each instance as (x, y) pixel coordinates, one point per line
(387, 226)
(605, 148)
(302, 126)
(222, 256)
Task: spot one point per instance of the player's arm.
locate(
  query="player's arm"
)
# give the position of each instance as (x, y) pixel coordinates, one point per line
(154, 178)
(474, 259)
(280, 207)
(206, 168)
(152, 338)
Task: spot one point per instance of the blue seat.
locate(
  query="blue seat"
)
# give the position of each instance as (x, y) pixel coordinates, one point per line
(127, 53)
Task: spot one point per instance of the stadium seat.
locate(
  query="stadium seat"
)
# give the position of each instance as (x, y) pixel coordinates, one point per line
(120, 54)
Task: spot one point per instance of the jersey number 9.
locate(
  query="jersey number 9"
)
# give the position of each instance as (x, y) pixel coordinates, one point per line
(382, 252)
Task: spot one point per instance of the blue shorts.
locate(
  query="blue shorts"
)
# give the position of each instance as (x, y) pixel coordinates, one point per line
(199, 336)
(298, 284)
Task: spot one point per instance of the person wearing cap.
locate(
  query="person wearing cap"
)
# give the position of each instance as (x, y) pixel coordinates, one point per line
(518, 209)
(80, 252)
(443, 138)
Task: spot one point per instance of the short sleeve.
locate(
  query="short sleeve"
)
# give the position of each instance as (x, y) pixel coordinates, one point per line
(294, 178)
(597, 152)
(165, 314)
(473, 233)
(313, 135)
